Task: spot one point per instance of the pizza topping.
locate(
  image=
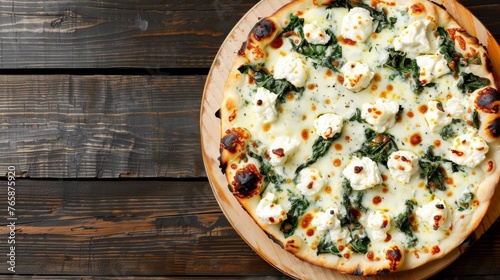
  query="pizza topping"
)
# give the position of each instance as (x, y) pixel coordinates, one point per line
(381, 114)
(369, 175)
(270, 211)
(357, 75)
(247, 181)
(299, 205)
(310, 182)
(468, 149)
(435, 215)
(402, 165)
(379, 222)
(431, 67)
(327, 125)
(403, 222)
(357, 25)
(470, 82)
(415, 39)
(326, 220)
(436, 117)
(282, 149)
(265, 105)
(378, 146)
(292, 68)
(407, 68)
(456, 107)
(315, 35)
(465, 200)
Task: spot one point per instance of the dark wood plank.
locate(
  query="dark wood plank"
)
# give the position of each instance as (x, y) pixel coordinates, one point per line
(64, 126)
(104, 34)
(125, 228)
(112, 34)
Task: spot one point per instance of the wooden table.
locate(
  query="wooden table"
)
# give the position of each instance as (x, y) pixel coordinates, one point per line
(99, 119)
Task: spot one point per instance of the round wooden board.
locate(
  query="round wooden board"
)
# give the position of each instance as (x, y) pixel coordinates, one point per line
(238, 217)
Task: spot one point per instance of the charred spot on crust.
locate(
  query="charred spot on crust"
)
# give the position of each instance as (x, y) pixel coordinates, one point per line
(234, 140)
(247, 181)
(383, 272)
(263, 29)
(241, 51)
(494, 127)
(394, 257)
(217, 114)
(486, 100)
(468, 241)
(358, 272)
(222, 165)
(275, 240)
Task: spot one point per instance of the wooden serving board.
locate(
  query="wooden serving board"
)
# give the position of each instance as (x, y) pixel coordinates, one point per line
(238, 217)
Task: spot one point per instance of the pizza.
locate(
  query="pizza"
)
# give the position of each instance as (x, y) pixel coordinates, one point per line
(362, 136)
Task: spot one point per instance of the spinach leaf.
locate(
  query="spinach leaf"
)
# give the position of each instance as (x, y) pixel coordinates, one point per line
(433, 173)
(298, 207)
(356, 117)
(403, 223)
(320, 148)
(469, 82)
(447, 49)
(406, 67)
(328, 55)
(378, 146)
(280, 87)
(360, 240)
(353, 206)
(379, 17)
(464, 201)
(449, 131)
(267, 171)
(475, 120)
(327, 246)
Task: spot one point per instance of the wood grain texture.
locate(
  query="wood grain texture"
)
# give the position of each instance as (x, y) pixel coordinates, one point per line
(105, 34)
(64, 126)
(117, 34)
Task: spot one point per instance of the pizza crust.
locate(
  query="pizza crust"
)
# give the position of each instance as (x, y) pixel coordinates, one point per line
(394, 256)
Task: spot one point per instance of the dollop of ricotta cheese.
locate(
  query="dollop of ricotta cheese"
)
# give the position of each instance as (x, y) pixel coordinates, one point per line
(431, 67)
(381, 114)
(292, 68)
(326, 220)
(329, 221)
(435, 215)
(314, 34)
(379, 222)
(468, 149)
(281, 149)
(363, 173)
(436, 117)
(310, 181)
(357, 75)
(270, 211)
(456, 107)
(415, 38)
(327, 125)
(264, 105)
(357, 25)
(402, 165)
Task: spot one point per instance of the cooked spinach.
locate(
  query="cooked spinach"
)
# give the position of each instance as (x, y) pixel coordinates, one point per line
(403, 223)
(433, 173)
(267, 171)
(378, 146)
(328, 55)
(475, 120)
(469, 82)
(378, 16)
(356, 117)
(449, 131)
(464, 201)
(360, 239)
(406, 67)
(447, 49)
(357, 203)
(319, 148)
(327, 246)
(351, 203)
(298, 207)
